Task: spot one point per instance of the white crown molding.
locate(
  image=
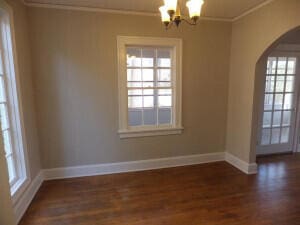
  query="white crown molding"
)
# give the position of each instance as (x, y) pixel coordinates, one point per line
(90, 9)
(21, 206)
(249, 11)
(138, 13)
(113, 11)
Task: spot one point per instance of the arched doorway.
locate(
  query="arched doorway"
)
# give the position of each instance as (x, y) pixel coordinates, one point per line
(277, 88)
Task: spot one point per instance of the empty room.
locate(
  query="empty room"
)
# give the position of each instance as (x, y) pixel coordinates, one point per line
(149, 112)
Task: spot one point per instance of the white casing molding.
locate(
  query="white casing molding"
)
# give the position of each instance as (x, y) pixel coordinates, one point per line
(123, 167)
(248, 168)
(24, 201)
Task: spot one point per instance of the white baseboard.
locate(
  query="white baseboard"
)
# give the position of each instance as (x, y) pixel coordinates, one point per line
(122, 167)
(240, 164)
(261, 152)
(22, 204)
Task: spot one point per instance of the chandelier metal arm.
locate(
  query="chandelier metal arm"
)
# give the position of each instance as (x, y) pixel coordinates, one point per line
(190, 22)
(169, 26)
(174, 21)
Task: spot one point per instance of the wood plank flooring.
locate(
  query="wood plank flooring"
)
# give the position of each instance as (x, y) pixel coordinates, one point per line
(208, 194)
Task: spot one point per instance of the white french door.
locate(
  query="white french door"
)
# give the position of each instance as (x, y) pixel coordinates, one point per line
(278, 118)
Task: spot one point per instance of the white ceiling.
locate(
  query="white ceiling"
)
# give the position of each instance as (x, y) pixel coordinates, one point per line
(227, 9)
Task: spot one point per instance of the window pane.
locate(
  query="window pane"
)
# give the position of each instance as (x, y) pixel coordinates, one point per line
(150, 116)
(7, 143)
(268, 101)
(135, 118)
(288, 101)
(148, 57)
(148, 91)
(271, 65)
(134, 57)
(148, 101)
(164, 75)
(148, 75)
(4, 117)
(134, 75)
(164, 84)
(148, 84)
(164, 116)
(276, 118)
(289, 86)
(281, 67)
(291, 66)
(135, 92)
(11, 168)
(285, 132)
(275, 135)
(266, 134)
(280, 84)
(1, 65)
(135, 102)
(164, 58)
(278, 103)
(2, 90)
(270, 81)
(286, 120)
(164, 91)
(267, 119)
(164, 101)
(135, 84)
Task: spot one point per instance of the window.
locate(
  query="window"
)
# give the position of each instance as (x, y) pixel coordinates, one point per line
(11, 126)
(149, 86)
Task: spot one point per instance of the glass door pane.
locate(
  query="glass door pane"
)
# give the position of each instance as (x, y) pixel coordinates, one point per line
(279, 101)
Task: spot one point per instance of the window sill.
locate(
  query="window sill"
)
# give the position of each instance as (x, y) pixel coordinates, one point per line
(143, 132)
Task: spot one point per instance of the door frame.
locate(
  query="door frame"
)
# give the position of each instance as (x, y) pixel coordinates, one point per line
(285, 50)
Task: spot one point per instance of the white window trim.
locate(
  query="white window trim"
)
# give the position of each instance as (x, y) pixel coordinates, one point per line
(142, 131)
(15, 96)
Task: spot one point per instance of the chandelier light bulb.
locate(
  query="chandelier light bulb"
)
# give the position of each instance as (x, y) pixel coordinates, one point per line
(171, 5)
(194, 7)
(165, 17)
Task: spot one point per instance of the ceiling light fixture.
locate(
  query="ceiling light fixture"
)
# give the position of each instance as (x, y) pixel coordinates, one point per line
(170, 12)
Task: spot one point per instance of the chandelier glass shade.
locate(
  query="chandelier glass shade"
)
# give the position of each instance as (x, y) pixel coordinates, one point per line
(170, 12)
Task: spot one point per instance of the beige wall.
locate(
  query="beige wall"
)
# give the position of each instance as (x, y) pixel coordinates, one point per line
(26, 84)
(75, 69)
(251, 36)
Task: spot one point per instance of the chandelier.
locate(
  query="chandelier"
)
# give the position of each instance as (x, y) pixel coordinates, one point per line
(170, 12)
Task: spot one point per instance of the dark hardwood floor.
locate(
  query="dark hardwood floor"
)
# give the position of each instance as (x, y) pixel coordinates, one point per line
(208, 194)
